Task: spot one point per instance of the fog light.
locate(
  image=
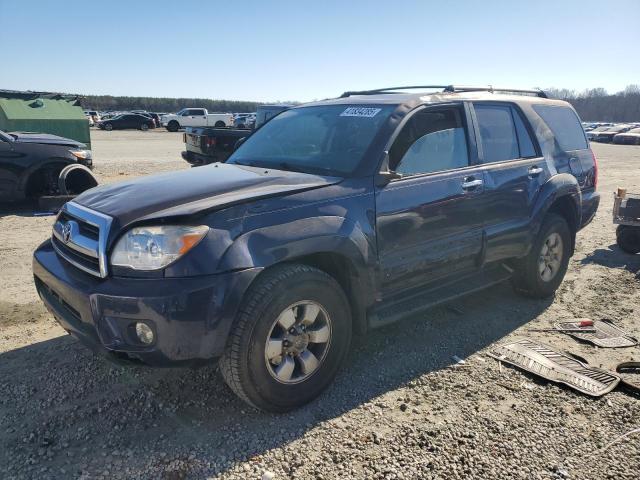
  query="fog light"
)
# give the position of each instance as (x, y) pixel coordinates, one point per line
(144, 333)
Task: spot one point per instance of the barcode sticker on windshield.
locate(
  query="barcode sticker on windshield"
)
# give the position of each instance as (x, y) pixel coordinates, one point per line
(360, 112)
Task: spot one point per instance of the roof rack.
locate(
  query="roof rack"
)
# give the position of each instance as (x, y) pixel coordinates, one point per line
(447, 89)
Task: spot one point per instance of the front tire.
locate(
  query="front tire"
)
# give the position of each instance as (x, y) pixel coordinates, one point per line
(628, 238)
(540, 273)
(108, 127)
(290, 337)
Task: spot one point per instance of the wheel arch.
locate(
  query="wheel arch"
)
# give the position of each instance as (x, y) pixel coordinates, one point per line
(30, 176)
(560, 195)
(333, 245)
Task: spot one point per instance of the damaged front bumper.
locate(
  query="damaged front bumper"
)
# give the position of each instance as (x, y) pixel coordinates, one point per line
(190, 317)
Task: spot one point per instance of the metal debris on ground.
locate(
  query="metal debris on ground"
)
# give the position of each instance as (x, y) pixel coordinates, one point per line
(629, 373)
(557, 367)
(602, 333)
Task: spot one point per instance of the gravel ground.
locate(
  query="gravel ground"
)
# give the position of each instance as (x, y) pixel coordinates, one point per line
(401, 407)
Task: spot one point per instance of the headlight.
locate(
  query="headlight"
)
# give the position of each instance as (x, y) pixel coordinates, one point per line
(81, 154)
(152, 248)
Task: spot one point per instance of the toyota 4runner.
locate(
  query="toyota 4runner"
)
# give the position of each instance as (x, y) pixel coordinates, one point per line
(333, 218)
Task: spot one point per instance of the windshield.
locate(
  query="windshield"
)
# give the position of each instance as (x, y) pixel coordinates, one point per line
(327, 139)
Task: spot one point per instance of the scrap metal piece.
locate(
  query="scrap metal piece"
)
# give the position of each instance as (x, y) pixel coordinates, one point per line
(602, 333)
(629, 373)
(557, 367)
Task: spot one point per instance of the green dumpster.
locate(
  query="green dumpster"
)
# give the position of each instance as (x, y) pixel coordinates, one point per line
(52, 113)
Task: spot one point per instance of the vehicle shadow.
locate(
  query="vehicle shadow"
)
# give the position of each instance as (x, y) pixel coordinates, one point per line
(613, 257)
(59, 392)
(26, 208)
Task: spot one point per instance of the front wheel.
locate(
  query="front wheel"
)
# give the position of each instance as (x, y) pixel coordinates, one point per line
(173, 126)
(628, 238)
(540, 273)
(108, 127)
(289, 340)
(144, 127)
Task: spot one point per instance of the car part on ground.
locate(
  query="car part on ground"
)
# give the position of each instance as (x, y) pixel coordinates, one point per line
(602, 333)
(557, 367)
(629, 373)
(75, 179)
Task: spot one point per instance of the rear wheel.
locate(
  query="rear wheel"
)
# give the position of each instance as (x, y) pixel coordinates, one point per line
(220, 124)
(144, 127)
(289, 340)
(628, 238)
(540, 273)
(173, 126)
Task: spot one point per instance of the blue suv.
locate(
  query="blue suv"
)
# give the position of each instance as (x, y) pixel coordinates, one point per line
(334, 217)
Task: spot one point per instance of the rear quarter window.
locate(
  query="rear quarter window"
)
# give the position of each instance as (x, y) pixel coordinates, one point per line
(565, 125)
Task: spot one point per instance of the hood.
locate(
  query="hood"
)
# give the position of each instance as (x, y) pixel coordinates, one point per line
(45, 138)
(196, 190)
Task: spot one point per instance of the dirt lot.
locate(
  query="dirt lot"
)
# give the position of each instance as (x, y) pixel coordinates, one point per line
(400, 408)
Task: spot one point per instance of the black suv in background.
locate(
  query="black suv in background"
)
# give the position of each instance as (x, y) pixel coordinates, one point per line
(333, 218)
(31, 163)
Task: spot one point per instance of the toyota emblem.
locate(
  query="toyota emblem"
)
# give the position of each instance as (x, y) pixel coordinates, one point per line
(66, 232)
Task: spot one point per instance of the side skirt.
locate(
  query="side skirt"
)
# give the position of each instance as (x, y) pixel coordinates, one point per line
(419, 300)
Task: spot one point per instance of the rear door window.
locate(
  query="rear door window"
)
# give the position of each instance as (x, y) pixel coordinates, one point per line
(497, 133)
(565, 125)
(431, 141)
(503, 133)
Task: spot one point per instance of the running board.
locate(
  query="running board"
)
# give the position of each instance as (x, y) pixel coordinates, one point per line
(418, 301)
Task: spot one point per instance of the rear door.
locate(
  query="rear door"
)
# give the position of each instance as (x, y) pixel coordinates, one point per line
(428, 223)
(514, 172)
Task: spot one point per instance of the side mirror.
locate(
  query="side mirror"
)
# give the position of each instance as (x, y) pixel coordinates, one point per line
(238, 143)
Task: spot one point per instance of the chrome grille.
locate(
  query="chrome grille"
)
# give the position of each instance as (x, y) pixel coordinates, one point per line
(80, 237)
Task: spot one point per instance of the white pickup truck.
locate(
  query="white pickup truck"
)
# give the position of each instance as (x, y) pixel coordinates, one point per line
(196, 117)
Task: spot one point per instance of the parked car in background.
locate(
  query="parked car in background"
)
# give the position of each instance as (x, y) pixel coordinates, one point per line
(204, 145)
(31, 164)
(630, 137)
(243, 120)
(606, 136)
(266, 112)
(196, 117)
(127, 121)
(93, 114)
(331, 219)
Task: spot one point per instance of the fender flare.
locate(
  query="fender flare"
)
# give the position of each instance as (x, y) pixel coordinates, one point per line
(271, 245)
(559, 186)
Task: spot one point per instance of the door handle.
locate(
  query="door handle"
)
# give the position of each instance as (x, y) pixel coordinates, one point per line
(470, 183)
(535, 171)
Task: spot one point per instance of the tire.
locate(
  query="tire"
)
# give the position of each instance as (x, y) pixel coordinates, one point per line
(220, 124)
(529, 279)
(628, 238)
(144, 127)
(173, 126)
(108, 127)
(245, 364)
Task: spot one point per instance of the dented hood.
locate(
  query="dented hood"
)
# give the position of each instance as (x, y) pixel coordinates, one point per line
(200, 189)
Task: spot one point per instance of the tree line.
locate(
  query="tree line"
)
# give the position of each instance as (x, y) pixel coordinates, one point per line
(596, 104)
(164, 105)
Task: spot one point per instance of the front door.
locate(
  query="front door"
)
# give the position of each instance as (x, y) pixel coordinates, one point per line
(429, 222)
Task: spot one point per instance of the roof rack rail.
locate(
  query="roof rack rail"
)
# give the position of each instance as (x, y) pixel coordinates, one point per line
(447, 89)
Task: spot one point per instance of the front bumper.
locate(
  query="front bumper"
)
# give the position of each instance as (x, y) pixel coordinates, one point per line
(191, 317)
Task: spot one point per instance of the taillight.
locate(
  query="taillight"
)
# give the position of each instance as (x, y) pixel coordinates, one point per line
(595, 170)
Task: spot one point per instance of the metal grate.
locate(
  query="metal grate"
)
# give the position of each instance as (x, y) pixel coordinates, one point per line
(606, 334)
(556, 367)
